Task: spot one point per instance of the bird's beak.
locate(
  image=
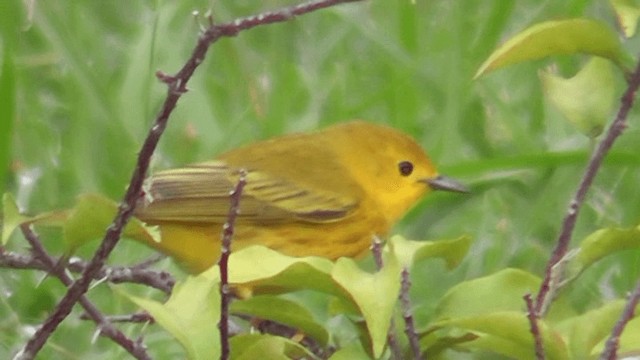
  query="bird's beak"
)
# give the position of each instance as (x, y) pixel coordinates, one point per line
(445, 183)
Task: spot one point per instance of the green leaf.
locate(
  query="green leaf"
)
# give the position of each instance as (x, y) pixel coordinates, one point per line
(627, 13)
(561, 37)
(451, 251)
(191, 315)
(501, 291)
(258, 346)
(508, 333)
(587, 330)
(11, 217)
(261, 270)
(352, 352)
(629, 340)
(599, 244)
(90, 217)
(283, 311)
(586, 99)
(374, 294)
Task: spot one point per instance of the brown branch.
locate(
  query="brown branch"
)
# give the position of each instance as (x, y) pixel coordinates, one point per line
(136, 274)
(272, 327)
(177, 85)
(225, 291)
(534, 328)
(612, 344)
(407, 315)
(106, 328)
(546, 292)
(140, 317)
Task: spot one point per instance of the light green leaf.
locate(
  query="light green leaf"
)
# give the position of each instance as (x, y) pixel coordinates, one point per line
(86, 221)
(374, 294)
(283, 311)
(508, 333)
(586, 99)
(599, 244)
(90, 217)
(451, 251)
(11, 217)
(501, 291)
(629, 340)
(561, 37)
(191, 315)
(352, 352)
(585, 331)
(261, 270)
(627, 13)
(258, 346)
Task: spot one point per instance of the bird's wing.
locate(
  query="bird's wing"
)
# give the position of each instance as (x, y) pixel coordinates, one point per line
(200, 193)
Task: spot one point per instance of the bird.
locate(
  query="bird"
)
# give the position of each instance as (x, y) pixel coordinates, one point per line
(325, 193)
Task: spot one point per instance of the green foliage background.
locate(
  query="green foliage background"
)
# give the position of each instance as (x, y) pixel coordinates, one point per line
(79, 93)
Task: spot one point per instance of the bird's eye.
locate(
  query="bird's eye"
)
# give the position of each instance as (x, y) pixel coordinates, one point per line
(405, 168)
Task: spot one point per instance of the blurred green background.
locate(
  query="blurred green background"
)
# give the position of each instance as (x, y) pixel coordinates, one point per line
(78, 94)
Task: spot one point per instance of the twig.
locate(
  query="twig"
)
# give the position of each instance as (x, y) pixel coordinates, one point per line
(394, 346)
(227, 236)
(407, 315)
(160, 280)
(546, 293)
(140, 317)
(177, 85)
(152, 260)
(272, 327)
(105, 327)
(376, 250)
(611, 346)
(534, 328)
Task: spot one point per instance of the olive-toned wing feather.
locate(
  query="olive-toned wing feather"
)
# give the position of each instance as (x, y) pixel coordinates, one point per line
(200, 193)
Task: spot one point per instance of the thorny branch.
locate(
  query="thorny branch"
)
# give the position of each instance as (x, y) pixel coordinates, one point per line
(546, 291)
(177, 86)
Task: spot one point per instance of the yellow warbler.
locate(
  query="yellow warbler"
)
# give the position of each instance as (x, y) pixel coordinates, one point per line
(325, 193)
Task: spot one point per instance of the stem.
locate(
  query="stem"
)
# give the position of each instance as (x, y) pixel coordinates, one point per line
(546, 292)
(225, 290)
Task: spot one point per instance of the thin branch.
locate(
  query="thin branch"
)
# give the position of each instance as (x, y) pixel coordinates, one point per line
(225, 290)
(177, 85)
(407, 315)
(272, 327)
(546, 292)
(376, 250)
(160, 280)
(534, 328)
(140, 317)
(105, 327)
(612, 344)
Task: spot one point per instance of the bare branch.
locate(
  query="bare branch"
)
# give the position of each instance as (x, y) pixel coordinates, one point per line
(105, 327)
(160, 280)
(225, 291)
(612, 344)
(546, 292)
(407, 315)
(177, 85)
(534, 328)
(140, 317)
